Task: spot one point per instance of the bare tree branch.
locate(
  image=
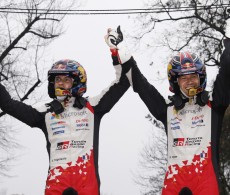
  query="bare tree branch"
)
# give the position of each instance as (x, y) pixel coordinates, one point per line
(43, 36)
(15, 42)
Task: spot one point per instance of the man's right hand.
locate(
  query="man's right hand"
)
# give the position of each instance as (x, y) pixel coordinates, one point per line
(113, 37)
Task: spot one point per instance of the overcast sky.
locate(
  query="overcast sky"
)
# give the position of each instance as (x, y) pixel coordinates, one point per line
(124, 130)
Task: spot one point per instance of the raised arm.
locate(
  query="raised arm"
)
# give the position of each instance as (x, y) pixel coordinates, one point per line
(20, 110)
(148, 93)
(221, 90)
(121, 61)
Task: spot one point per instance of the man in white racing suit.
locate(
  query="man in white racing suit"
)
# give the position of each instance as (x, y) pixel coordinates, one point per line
(192, 119)
(71, 122)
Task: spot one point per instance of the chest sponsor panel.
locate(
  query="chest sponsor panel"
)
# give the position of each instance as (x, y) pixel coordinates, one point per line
(189, 133)
(70, 134)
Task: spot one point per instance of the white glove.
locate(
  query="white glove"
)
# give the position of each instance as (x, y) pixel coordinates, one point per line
(227, 28)
(113, 38)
